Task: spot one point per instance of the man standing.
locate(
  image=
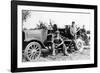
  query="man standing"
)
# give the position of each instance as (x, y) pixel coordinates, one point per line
(73, 29)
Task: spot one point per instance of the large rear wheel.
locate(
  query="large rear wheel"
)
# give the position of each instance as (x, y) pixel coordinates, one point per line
(33, 51)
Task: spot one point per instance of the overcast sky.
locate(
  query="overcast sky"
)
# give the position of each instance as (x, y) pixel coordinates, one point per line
(60, 18)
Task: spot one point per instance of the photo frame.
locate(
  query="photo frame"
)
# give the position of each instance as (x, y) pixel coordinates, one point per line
(52, 36)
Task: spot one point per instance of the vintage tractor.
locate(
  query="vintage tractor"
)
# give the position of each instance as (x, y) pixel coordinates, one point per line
(41, 40)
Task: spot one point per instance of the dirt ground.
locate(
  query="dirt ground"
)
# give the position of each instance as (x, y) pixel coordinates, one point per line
(59, 57)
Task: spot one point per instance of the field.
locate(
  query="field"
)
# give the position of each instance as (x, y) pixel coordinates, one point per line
(85, 55)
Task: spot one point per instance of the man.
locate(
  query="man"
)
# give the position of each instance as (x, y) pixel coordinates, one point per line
(83, 30)
(73, 30)
(54, 35)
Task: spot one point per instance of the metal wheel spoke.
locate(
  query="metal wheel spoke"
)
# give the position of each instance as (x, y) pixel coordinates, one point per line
(32, 57)
(36, 54)
(36, 47)
(29, 50)
(32, 46)
(37, 50)
(29, 55)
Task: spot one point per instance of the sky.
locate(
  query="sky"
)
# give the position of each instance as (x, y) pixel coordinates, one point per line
(60, 18)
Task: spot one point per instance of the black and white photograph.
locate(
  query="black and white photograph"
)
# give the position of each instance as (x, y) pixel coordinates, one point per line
(55, 36)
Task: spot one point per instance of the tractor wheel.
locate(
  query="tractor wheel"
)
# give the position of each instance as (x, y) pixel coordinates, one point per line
(33, 51)
(79, 44)
(70, 48)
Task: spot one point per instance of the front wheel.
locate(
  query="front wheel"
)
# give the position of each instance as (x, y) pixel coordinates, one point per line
(79, 44)
(33, 51)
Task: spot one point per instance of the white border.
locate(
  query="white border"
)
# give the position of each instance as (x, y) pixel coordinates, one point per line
(52, 63)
